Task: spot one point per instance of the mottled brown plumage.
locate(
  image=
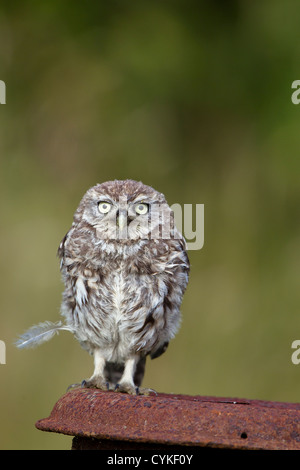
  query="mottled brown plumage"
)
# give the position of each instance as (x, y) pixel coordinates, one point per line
(125, 270)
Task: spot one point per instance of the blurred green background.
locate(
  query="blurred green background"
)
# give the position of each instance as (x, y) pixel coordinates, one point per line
(194, 99)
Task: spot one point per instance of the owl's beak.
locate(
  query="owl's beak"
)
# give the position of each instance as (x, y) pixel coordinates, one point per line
(122, 220)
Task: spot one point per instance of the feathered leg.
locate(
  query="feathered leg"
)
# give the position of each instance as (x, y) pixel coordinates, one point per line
(126, 383)
(132, 377)
(98, 379)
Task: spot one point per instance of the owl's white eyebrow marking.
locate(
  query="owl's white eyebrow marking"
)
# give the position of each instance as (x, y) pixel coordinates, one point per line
(105, 198)
(142, 198)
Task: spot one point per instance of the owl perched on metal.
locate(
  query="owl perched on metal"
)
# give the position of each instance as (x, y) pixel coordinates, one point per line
(125, 270)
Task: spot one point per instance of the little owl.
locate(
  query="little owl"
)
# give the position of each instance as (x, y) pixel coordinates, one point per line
(125, 269)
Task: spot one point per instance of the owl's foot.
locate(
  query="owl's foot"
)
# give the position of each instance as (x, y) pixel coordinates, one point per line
(133, 390)
(95, 382)
(126, 388)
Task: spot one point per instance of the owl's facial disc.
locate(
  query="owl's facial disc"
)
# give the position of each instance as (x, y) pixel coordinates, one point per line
(122, 218)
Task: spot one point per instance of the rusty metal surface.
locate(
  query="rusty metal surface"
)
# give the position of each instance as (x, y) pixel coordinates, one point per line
(176, 420)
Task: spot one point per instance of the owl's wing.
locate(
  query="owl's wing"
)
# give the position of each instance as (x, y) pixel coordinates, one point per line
(176, 271)
(158, 352)
(179, 260)
(61, 248)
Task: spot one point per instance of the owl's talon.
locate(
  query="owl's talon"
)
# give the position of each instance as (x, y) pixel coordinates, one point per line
(74, 386)
(126, 388)
(95, 383)
(146, 391)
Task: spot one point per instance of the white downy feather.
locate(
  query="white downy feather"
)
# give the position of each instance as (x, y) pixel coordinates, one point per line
(40, 333)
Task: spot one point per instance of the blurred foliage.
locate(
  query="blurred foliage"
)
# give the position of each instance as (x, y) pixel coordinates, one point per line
(193, 98)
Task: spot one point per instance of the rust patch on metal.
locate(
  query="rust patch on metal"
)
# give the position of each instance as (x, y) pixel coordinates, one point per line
(180, 420)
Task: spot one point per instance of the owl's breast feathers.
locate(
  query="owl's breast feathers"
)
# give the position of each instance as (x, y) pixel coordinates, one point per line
(123, 297)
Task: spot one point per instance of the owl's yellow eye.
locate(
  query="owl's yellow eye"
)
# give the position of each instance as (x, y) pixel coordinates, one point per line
(141, 208)
(104, 207)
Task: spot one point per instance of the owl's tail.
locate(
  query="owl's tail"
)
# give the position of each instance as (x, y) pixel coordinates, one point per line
(40, 333)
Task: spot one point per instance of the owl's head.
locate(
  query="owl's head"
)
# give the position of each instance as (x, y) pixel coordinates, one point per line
(125, 210)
